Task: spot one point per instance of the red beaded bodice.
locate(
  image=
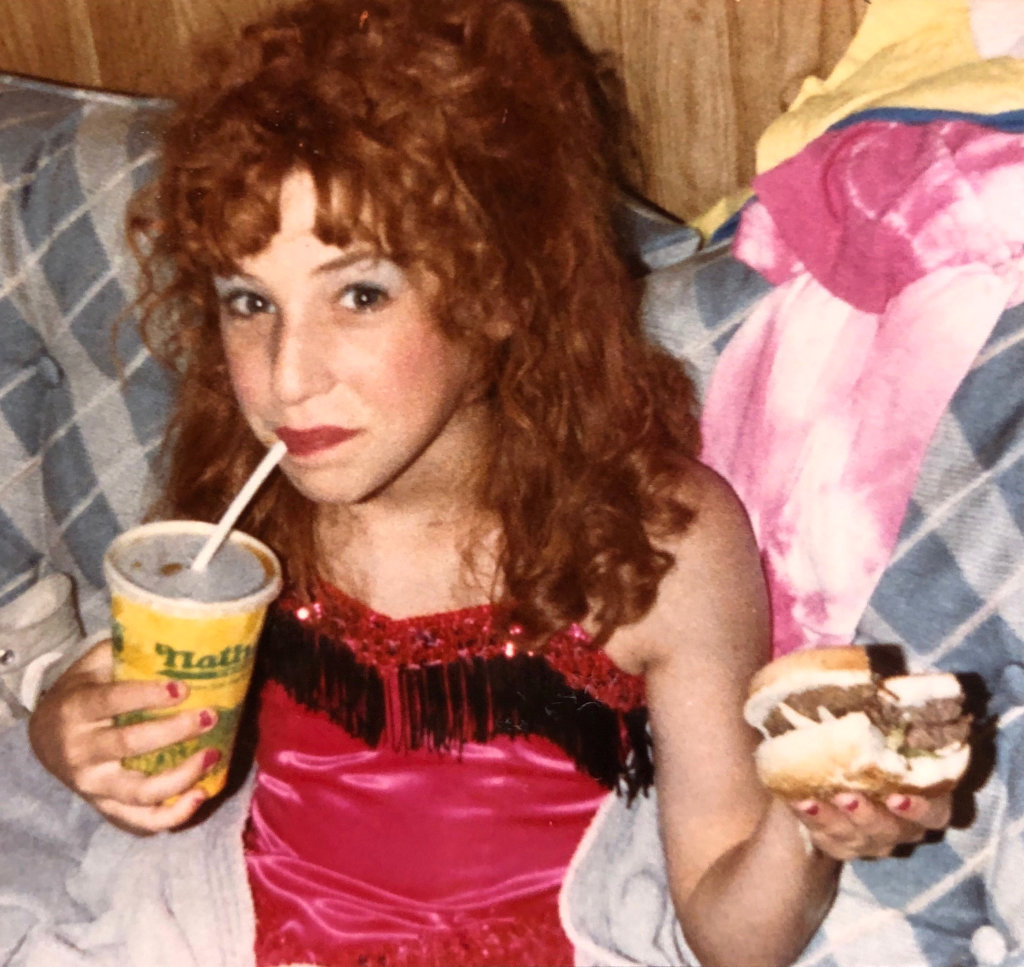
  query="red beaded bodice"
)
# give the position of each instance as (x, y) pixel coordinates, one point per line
(440, 680)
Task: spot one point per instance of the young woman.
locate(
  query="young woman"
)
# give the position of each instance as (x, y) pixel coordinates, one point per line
(382, 232)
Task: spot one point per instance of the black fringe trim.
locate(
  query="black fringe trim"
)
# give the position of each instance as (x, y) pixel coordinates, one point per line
(445, 704)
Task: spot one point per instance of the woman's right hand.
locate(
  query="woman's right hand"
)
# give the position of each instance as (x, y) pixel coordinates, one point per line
(74, 736)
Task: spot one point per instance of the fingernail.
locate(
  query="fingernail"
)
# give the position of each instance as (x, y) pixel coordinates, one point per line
(206, 719)
(809, 808)
(901, 805)
(849, 803)
(210, 758)
(174, 689)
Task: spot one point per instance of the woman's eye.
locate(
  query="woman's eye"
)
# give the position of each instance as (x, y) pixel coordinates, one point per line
(364, 297)
(245, 305)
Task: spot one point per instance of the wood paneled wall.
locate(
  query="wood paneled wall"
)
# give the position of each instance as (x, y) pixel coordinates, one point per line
(705, 77)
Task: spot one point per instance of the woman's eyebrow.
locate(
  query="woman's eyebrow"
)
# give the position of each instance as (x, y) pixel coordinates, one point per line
(343, 261)
(223, 283)
(346, 260)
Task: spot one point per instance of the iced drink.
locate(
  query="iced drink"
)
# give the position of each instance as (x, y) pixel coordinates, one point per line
(170, 623)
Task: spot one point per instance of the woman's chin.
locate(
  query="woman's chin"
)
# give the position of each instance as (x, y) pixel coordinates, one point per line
(323, 485)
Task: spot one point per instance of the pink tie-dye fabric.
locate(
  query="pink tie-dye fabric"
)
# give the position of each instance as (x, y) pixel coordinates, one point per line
(894, 250)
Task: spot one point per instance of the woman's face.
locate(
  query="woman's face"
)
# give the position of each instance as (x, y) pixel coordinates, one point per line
(334, 351)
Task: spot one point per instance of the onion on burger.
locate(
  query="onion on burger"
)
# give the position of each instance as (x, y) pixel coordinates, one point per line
(831, 725)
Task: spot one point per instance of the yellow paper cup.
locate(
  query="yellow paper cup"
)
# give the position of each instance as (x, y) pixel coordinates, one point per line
(210, 645)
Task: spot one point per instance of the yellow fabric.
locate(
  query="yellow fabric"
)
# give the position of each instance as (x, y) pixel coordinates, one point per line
(707, 223)
(907, 53)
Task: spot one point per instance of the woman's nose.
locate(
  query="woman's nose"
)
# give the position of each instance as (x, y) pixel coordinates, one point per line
(301, 366)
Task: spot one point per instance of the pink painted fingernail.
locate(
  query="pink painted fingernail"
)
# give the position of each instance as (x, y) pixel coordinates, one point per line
(850, 804)
(809, 808)
(174, 689)
(210, 758)
(902, 804)
(206, 719)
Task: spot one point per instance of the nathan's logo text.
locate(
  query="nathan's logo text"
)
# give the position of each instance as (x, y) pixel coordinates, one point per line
(181, 663)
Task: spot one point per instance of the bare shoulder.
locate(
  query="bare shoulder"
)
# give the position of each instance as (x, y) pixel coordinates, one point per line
(714, 596)
(721, 524)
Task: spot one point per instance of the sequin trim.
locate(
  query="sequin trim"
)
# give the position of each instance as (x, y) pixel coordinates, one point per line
(387, 642)
(445, 679)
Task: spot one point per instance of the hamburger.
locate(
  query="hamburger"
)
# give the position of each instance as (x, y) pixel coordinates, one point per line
(830, 724)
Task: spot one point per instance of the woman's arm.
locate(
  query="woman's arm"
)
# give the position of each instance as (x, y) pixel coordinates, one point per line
(748, 885)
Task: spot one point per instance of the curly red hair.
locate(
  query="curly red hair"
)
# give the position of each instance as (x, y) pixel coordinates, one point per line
(480, 141)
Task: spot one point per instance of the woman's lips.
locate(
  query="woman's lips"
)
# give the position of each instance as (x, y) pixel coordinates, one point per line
(304, 443)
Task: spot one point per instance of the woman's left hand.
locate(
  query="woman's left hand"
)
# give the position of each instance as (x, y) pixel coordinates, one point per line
(851, 825)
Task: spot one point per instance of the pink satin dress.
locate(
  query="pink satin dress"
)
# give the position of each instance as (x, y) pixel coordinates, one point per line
(422, 786)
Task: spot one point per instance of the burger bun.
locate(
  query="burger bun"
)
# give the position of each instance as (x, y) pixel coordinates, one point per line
(831, 726)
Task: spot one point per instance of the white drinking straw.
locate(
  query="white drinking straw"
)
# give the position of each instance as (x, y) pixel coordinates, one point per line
(270, 460)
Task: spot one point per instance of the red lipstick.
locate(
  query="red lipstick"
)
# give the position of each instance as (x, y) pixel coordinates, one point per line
(304, 443)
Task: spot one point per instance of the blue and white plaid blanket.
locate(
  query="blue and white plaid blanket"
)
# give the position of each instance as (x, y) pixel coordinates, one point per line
(77, 436)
